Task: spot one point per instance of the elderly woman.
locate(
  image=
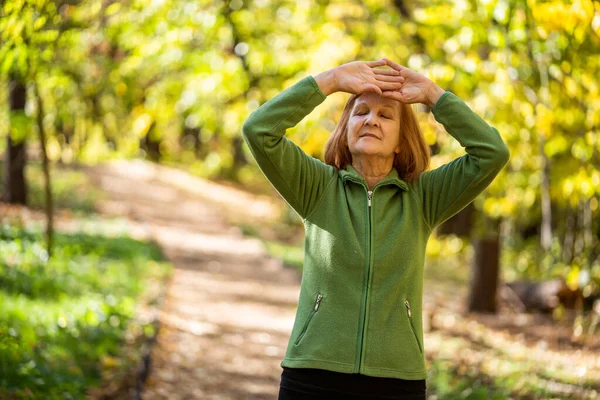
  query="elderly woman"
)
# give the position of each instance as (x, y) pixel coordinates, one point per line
(368, 212)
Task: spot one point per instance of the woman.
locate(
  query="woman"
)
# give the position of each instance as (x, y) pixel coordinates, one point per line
(368, 212)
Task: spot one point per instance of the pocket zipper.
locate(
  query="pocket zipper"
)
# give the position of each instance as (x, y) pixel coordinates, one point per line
(304, 329)
(411, 324)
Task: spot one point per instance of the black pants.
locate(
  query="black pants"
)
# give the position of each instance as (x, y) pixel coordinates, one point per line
(318, 384)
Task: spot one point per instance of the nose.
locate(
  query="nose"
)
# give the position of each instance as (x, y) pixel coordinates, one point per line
(372, 120)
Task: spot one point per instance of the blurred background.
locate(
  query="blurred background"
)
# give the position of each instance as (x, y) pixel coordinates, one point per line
(120, 142)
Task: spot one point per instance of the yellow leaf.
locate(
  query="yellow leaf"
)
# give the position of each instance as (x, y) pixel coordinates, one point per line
(109, 361)
(543, 120)
(121, 89)
(112, 9)
(39, 22)
(142, 124)
(573, 277)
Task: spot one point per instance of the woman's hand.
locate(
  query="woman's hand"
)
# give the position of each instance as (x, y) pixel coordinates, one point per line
(358, 77)
(417, 88)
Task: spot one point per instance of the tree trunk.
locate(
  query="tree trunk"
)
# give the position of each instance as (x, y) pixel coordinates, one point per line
(46, 169)
(15, 186)
(485, 271)
(541, 96)
(239, 159)
(194, 134)
(546, 231)
(199, 149)
(460, 224)
(568, 243)
(588, 233)
(151, 145)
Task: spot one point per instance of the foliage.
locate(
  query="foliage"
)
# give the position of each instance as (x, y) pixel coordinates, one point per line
(175, 79)
(62, 319)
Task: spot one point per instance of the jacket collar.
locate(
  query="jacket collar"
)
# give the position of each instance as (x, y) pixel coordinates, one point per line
(349, 173)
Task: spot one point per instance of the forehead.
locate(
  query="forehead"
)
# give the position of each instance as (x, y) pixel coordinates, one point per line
(375, 100)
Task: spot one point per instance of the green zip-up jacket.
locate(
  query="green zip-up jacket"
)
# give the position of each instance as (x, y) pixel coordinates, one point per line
(360, 303)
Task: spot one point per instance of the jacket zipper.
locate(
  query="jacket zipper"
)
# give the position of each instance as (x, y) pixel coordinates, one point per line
(305, 328)
(411, 324)
(363, 315)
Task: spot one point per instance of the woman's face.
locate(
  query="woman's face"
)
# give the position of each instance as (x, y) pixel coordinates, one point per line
(373, 127)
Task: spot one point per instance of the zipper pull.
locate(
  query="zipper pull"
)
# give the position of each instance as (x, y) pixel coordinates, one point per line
(369, 196)
(408, 308)
(319, 297)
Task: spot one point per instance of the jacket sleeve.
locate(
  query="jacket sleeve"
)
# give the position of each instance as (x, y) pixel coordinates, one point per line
(300, 179)
(448, 189)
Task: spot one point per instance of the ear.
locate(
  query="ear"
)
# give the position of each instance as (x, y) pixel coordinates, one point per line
(397, 150)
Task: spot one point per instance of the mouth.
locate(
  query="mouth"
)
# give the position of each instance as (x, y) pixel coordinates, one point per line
(368, 134)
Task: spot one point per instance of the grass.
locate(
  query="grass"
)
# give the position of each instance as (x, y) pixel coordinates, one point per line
(60, 319)
(66, 322)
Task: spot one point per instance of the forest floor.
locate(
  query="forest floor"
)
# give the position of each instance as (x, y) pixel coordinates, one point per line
(230, 306)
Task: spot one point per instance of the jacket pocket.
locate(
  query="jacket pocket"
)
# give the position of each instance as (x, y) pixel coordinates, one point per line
(314, 311)
(407, 304)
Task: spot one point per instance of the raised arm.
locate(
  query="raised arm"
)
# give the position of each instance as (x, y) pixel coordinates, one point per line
(299, 178)
(446, 190)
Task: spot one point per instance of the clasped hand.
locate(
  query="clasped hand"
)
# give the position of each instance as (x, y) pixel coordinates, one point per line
(399, 83)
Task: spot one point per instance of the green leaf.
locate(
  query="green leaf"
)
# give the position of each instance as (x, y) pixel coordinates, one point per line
(39, 23)
(112, 9)
(7, 62)
(20, 126)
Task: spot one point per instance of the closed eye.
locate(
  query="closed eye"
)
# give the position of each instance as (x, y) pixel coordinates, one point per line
(363, 113)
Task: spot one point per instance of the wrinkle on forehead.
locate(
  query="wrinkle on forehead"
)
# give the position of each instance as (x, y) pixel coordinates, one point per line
(374, 98)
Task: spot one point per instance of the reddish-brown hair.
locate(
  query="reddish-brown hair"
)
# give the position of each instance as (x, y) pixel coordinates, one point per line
(410, 162)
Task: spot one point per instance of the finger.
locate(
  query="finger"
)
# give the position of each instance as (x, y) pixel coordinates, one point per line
(394, 65)
(376, 63)
(372, 88)
(391, 72)
(386, 78)
(395, 95)
(390, 85)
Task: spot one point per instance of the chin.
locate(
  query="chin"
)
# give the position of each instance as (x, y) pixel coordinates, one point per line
(367, 149)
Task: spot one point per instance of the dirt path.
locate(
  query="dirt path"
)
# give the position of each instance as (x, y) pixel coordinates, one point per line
(229, 307)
